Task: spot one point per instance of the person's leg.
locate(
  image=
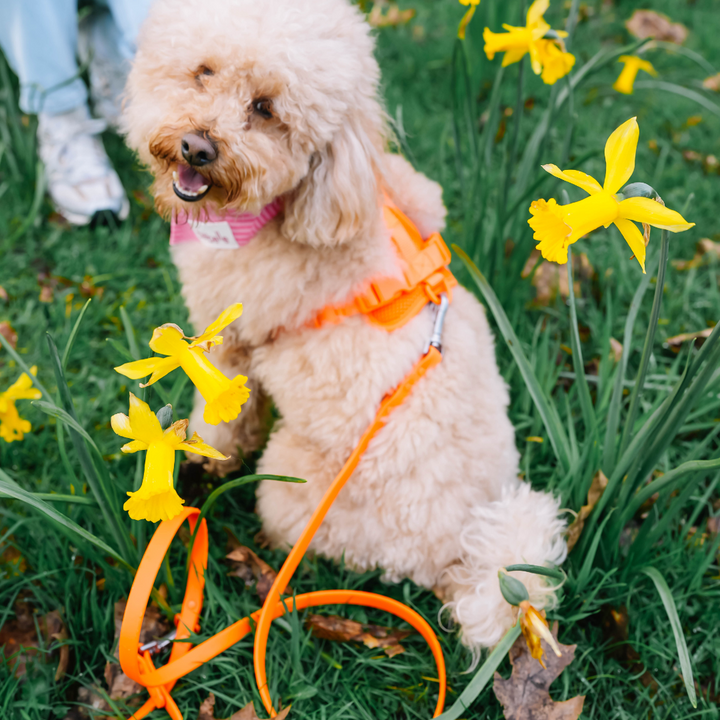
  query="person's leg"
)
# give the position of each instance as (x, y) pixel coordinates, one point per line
(129, 16)
(39, 39)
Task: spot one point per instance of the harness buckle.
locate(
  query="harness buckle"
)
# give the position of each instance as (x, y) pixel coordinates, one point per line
(440, 313)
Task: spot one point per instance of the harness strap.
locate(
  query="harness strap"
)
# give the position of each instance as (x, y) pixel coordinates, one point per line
(391, 302)
(184, 658)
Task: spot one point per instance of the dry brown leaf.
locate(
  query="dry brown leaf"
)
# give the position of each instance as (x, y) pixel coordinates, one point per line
(3, 293)
(676, 341)
(333, 627)
(551, 280)
(207, 711)
(247, 565)
(712, 83)
(524, 695)
(19, 639)
(9, 333)
(597, 488)
(615, 623)
(705, 251)
(650, 24)
(392, 18)
(616, 349)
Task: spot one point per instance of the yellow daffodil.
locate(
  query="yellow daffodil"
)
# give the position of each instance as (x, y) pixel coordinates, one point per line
(519, 41)
(156, 499)
(224, 398)
(12, 426)
(558, 226)
(556, 63)
(467, 17)
(626, 79)
(535, 628)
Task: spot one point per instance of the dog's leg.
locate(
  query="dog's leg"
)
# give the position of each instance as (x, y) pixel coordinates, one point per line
(521, 527)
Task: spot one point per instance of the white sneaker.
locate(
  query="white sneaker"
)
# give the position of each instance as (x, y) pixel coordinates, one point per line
(81, 181)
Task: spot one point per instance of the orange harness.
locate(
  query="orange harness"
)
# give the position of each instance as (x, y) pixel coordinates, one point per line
(389, 303)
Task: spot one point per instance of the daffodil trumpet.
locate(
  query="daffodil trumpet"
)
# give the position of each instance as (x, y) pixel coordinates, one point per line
(157, 498)
(632, 65)
(545, 46)
(559, 226)
(12, 426)
(534, 629)
(223, 397)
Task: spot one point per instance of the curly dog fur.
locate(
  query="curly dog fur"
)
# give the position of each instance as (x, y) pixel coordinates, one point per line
(436, 497)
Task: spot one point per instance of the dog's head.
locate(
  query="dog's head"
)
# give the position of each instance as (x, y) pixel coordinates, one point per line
(233, 103)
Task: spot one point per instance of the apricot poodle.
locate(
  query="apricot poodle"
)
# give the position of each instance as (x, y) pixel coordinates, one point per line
(270, 108)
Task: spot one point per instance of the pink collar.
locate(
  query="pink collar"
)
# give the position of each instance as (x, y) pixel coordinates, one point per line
(228, 231)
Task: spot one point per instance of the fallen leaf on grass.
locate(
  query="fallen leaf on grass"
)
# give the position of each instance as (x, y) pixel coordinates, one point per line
(9, 333)
(551, 280)
(597, 488)
(675, 342)
(705, 251)
(616, 349)
(333, 627)
(3, 293)
(650, 24)
(207, 711)
(615, 624)
(250, 568)
(524, 695)
(19, 639)
(712, 83)
(394, 16)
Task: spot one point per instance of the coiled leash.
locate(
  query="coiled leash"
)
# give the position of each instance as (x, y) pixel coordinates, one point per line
(390, 304)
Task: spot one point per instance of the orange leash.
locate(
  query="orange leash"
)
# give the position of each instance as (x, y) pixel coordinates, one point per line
(137, 663)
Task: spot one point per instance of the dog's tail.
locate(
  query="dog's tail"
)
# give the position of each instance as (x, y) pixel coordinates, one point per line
(522, 527)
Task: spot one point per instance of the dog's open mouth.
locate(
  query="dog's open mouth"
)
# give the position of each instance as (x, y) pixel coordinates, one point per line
(189, 185)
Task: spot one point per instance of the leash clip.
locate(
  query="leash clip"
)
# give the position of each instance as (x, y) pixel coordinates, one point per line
(157, 646)
(440, 312)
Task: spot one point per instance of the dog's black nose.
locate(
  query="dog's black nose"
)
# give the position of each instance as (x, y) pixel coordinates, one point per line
(198, 150)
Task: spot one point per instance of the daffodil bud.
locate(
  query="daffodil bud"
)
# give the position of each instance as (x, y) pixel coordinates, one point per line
(637, 189)
(164, 415)
(512, 589)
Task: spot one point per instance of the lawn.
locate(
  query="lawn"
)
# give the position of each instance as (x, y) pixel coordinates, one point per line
(648, 417)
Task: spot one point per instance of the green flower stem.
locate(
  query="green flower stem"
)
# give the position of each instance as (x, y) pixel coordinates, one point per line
(648, 346)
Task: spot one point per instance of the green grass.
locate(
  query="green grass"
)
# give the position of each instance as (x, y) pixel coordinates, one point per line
(437, 123)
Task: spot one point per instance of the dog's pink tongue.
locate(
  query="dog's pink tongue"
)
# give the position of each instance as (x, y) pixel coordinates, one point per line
(190, 179)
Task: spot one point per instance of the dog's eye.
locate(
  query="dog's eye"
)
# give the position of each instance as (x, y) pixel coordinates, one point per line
(263, 107)
(202, 72)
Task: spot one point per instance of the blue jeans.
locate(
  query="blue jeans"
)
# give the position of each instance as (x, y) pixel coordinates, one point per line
(39, 40)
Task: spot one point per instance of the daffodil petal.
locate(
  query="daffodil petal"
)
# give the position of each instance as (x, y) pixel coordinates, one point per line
(143, 421)
(168, 340)
(646, 210)
(226, 317)
(634, 239)
(589, 184)
(514, 55)
(142, 368)
(120, 424)
(536, 11)
(197, 446)
(467, 17)
(620, 152)
(134, 446)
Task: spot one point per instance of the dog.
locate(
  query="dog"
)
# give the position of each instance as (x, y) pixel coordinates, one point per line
(237, 106)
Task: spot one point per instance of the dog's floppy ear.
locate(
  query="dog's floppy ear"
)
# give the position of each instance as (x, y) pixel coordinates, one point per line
(338, 198)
